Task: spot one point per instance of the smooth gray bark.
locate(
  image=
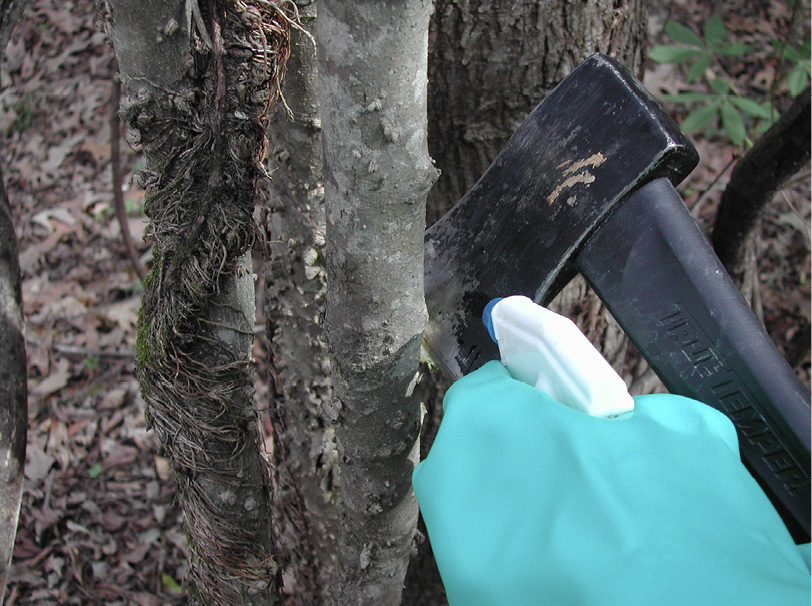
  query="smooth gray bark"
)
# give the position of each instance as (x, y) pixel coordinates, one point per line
(13, 388)
(372, 92)
(13, 366)
(305, 457)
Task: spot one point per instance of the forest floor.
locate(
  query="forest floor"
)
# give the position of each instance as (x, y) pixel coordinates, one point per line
(99, 524)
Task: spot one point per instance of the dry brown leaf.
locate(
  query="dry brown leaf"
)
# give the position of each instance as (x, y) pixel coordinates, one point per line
(56, 380)
(113, 399)
(37, 464)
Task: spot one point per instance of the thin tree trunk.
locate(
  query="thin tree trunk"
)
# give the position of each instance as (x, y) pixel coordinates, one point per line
(13, 366)
(372, 91)
(305, 456)
(13, 388)
(199, 79)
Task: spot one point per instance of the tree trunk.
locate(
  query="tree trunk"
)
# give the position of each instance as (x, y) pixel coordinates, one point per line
(372, 91)
(13, 388)
(13, 366)
(492, 62)
(305, 456)
(199, 80)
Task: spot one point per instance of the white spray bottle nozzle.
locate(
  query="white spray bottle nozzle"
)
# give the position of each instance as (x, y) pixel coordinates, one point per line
(548, 351)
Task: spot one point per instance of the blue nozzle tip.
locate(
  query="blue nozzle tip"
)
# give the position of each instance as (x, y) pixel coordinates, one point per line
(486, 317)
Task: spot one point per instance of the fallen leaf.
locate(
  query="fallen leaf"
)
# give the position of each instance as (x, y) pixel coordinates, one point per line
(163, 468)
(120, 455)
(45, 218)
(113, 399)
(57, 154)
(57, 379)
(37, 464)
(124, 313)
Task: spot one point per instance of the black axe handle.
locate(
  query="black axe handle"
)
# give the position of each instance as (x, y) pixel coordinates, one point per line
(663, 283)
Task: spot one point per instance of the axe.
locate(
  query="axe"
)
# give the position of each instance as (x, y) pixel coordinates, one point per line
(586, 184)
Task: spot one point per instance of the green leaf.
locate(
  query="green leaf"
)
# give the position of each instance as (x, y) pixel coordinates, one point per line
(672, 54)
(170, 584)
(95, 471)
(720, 85)
(793, 54)
(680, 33)
(797, 81)
(701, 117)
(689, 97)
(699, 67)
(732, 122)
(751, 107)
(714, 30)
(735, 49)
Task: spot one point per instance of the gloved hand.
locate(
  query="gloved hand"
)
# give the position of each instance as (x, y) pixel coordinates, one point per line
(527, 501)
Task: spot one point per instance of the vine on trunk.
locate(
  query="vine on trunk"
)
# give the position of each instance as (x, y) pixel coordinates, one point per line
(204, 143)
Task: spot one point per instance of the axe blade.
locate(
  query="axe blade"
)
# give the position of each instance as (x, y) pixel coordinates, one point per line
(598, 136)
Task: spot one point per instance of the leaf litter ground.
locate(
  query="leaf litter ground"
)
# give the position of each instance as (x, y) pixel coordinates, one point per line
(99, 524)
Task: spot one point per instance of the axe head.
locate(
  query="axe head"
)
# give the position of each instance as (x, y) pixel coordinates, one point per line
(596, 138)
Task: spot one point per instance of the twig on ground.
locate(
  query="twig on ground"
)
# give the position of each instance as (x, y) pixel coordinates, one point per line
(705, 195)
(90, 352)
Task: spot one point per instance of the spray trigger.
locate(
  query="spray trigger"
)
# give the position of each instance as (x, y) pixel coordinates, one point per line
(544, 349)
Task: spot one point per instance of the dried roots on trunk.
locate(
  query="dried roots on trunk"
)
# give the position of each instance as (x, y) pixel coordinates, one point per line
(203, 136)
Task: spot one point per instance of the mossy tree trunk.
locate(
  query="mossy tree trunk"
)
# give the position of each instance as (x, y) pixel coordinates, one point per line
(199, 78)
(372, 92)
(305, 458)
(13, 366)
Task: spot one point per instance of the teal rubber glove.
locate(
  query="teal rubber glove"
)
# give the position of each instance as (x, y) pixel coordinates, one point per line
(527, 501)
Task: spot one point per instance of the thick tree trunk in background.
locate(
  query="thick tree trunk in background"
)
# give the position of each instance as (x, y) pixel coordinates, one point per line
(372, 91)
(305, 456)
(13, 365)
(491, 63)
(199, 77)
